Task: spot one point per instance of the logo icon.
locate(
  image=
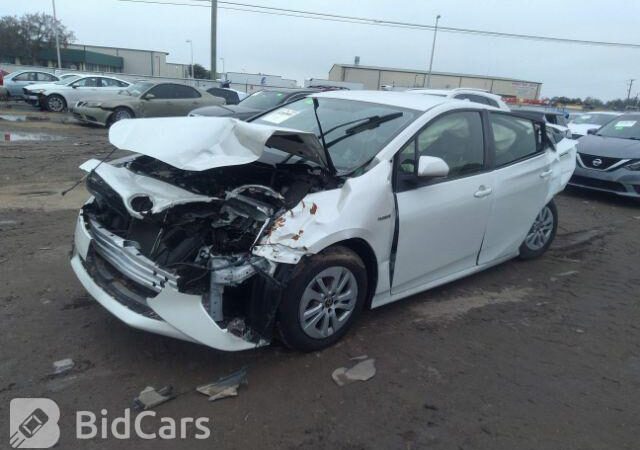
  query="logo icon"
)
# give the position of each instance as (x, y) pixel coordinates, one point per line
(596, 162)
(34, 423)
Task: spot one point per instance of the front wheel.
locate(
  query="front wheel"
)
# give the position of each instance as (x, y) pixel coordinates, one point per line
(542, 232)
(56, 103)
(120, 113)
(323, 299)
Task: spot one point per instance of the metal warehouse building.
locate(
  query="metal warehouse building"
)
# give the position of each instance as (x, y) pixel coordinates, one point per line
(377, 77)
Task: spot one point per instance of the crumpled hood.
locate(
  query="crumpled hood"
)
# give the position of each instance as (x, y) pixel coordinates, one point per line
(202, 143)
(609, 147)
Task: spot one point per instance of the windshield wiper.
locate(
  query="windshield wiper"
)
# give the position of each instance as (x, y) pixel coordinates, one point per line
(369, 123)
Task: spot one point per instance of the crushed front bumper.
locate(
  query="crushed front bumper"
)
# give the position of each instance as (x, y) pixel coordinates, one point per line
(147, 298)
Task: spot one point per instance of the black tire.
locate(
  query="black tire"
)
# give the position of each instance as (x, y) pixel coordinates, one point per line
(289, 321)
(118, 113)
(56, 103)
(527, 250)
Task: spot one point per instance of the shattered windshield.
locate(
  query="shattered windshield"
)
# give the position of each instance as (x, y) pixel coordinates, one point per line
(354, 131)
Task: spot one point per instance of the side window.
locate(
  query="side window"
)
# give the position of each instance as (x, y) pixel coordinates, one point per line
(27, 76)
(514, 138)
(230, 97)
(473, 98)
(86, 82)
(162, 91)
(457, 138)
(109, 82)
(491, 102)
(181, 91)
(46, 77)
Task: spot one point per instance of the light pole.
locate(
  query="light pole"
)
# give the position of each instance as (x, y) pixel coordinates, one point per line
(433, 48)
(55, 27)
(193, 75)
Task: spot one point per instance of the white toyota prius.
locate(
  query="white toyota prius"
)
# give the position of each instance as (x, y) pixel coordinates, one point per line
(228, 233)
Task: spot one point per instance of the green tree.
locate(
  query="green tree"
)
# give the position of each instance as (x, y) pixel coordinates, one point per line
(200, 72)
(28, 35)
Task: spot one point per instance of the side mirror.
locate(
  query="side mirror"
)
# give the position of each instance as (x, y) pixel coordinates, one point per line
(148, 97)
(73, 86)
(592, 131)
(430, 166)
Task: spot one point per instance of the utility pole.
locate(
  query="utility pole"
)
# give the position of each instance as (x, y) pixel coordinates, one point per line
(190, 42)
(55, 28)
(630, 85)
(214, 41)
(433, 48)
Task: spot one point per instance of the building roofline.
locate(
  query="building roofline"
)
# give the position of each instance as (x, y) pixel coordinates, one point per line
(451, 74)
(117, 48)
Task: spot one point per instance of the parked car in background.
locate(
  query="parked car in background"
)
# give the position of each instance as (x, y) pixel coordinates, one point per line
(219, 231)
(231, 96)
(31, 92)
(255, 103)
(57, 97)
(582, 123)
(15, 81)
(144, 99)
(473, 95)
(609, 158)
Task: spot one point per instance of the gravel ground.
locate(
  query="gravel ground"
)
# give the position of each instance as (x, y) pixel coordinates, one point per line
(542, 354)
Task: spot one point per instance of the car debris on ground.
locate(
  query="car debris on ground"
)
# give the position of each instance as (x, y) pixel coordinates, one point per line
(363, 370)
(226, 386)
(149, 397)
(63, 366)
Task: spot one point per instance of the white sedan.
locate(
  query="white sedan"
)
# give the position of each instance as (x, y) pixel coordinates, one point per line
(219, 231)
(57, 97)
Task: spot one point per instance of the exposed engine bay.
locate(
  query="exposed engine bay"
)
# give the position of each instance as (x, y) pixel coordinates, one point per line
(204, 245)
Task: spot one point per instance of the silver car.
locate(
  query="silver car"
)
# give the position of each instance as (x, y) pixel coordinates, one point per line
(14, 82)
(609, 159)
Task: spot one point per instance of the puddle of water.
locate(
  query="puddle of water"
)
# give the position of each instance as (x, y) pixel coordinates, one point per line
(13, 117)
(19, 136)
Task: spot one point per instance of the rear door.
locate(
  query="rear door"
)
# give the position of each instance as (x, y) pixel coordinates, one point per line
(523, 171)
(82, 89)
(15, 84)
(187, 99)
(441, 221)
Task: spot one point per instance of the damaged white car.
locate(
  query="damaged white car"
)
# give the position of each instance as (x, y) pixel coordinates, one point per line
(227, 233)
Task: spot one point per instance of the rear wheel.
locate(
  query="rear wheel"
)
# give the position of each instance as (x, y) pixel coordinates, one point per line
(323, 299)
(542, 232)
(56, 103)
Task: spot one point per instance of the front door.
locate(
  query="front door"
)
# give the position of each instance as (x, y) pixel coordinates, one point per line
(441, 222)
(522, 185)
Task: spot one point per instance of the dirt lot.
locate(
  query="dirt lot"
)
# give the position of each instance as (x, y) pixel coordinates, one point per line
(528, 355)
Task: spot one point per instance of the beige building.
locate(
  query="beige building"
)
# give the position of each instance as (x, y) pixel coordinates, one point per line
(377, 77)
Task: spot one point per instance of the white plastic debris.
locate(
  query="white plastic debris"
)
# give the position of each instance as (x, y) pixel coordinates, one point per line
(62, 366)
(362, 371)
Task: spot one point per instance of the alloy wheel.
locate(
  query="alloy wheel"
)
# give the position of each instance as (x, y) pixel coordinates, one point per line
(55, 104)
(327, 302)
(541, 230)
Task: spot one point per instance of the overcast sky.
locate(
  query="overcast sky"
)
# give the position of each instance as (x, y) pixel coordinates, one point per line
(303, 48)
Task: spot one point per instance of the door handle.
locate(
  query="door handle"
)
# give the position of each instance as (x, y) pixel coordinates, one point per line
(546, 173)
(483, 191)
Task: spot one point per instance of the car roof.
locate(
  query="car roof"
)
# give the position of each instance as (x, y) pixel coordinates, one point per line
(18, 72)
(394, 98)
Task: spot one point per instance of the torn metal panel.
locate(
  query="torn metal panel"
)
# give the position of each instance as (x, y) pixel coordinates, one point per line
(202, 143)
(130, 186)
